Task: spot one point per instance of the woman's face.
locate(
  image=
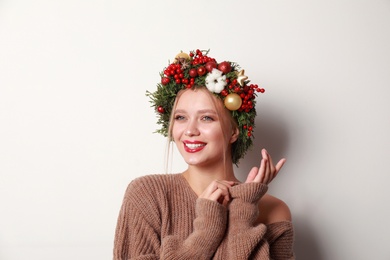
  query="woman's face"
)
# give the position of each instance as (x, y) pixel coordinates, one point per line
(197, 129)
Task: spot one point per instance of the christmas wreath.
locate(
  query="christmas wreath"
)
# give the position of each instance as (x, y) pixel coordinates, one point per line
(225, 79)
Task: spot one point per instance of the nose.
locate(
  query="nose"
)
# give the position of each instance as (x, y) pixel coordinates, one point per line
(192, 129)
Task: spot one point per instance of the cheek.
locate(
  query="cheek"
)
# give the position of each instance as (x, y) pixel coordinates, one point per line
(214, 132)
(177, 130)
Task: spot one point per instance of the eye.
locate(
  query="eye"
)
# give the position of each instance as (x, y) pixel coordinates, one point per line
(179, 117)
(207, 118)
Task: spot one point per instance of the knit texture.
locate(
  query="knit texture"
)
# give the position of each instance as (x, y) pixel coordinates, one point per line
(162, 218)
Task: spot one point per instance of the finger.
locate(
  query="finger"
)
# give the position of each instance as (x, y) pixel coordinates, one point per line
(267, 174)
(252, 174)
(227, 184)
(225, 203)
(224, 187)
(267, 171)
(224, 200)
(220, 194)
(272, 166)
(280, 164)
(261, 172)
(218, 190)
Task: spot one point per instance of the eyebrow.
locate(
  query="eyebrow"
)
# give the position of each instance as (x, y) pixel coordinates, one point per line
(203, 111)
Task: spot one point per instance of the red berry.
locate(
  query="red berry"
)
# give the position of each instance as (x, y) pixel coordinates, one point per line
(193, 73)
(165, 80)
(161, 110)
(225, 67)
(201, 71)
(210, 66)
(224, 92)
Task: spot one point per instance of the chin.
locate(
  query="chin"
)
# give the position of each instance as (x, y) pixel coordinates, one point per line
(193, 162)
(202, 161)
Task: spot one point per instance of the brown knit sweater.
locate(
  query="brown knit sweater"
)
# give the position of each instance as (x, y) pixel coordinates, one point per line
(162, 218)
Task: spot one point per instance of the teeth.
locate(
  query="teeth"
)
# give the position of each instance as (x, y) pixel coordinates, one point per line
(193, 146)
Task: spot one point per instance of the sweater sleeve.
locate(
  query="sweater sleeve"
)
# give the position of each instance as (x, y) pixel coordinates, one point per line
(246, 240)
(280, 236)
(244, 236)
(209, 229)
(138, 233)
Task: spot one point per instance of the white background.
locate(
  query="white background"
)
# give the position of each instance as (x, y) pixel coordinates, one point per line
(76, 126)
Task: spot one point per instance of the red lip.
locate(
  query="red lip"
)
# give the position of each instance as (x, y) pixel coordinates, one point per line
(193, 146)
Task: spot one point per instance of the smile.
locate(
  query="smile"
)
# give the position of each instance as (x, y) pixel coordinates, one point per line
(193, 147)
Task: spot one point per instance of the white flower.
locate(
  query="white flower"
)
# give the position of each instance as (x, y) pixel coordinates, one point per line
(215, 82)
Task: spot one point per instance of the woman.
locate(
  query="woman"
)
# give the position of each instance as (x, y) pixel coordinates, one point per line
(207, 109)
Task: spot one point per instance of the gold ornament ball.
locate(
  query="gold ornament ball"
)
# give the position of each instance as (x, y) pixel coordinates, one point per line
(182, 55)
(233, 101)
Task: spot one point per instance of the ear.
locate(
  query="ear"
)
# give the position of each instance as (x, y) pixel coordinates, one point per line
(235, 134)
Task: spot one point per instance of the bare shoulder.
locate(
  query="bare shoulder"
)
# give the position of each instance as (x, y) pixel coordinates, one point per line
(273, 210)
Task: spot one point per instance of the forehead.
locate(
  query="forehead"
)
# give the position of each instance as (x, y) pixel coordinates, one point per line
(196, 99)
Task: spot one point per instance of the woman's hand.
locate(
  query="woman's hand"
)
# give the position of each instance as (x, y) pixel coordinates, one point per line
(267, 171)
(218, 191)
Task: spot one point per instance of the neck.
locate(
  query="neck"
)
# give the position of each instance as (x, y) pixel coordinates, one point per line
(199, 178)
